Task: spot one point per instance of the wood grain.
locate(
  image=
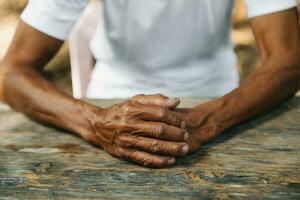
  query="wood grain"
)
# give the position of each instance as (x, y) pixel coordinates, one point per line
(256, 160)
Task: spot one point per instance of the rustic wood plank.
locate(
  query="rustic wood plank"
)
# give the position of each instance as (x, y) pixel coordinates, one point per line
(257, 160)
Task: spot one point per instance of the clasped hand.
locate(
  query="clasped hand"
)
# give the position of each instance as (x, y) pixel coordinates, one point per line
(146, 129)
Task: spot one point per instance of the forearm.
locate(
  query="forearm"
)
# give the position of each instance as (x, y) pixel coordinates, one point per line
(259, 93)
(278, 78)
(26, 91)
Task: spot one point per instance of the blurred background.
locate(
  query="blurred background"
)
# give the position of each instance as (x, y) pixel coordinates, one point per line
(58, 70)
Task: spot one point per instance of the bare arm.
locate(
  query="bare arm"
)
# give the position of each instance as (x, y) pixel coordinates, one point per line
(25, 89)
(146, 134)
(278, 39)
(278, 78)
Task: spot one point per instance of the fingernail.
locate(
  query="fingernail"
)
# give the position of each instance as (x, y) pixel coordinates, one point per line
(171, 161)
(185, 149)
(186, 136)
(183, 124)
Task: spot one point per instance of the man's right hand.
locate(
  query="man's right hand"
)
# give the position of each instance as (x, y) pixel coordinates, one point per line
(143, 129)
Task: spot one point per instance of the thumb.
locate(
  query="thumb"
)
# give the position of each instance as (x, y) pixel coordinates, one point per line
(158, 100)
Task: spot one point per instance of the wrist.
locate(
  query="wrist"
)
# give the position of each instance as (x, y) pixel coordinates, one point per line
(83, 120)
(212, 114)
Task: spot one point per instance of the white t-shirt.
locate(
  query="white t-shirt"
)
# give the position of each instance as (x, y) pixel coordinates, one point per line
(176, 47)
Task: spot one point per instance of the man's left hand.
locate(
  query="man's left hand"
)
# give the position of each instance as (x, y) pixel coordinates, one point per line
(202, 123)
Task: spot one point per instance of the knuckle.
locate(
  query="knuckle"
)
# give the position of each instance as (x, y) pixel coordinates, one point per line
(138, 157)
(156, 147)
(127, 108)
(158, 130)
(137, 97)
(175, 118)
(126, 141)
(120, 140)
(125, 125)
(162, 112)
(134, 142)
(123, 122)
(132, 154)
(145, 161)
(148, 162)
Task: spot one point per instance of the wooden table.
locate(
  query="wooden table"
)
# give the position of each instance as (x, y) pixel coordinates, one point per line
(256, 160)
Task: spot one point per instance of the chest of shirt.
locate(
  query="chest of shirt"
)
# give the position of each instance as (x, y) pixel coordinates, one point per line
(145, 15)
(132, 22)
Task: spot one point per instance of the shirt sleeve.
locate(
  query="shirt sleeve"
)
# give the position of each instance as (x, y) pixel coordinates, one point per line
(261, 7)
(55, 18)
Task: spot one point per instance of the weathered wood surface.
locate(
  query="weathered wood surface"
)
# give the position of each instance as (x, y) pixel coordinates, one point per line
(257, 160)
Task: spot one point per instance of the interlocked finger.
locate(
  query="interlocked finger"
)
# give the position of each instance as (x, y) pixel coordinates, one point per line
(158, 114)
(157, 99)
(154, 145)
(159, 130)
(146, 159)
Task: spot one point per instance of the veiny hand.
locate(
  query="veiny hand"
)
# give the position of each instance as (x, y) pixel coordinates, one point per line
(143, 129)
(202, 123)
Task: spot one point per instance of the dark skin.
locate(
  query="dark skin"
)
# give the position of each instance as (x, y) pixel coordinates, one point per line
(150, 129)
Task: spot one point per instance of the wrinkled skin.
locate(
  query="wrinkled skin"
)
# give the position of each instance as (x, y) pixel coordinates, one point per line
(143, 129)
(149, 129)
(201, 124)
